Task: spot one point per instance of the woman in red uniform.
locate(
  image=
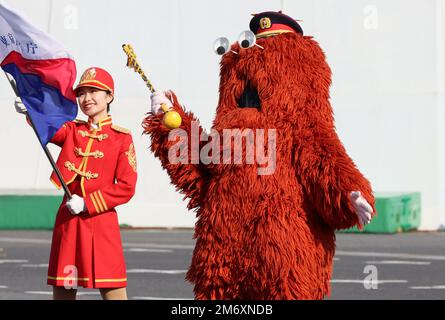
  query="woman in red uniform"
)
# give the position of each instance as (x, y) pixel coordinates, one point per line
(98, 163)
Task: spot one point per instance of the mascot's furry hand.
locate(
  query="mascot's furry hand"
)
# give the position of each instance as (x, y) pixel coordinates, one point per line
(362, 207)
(158, 98)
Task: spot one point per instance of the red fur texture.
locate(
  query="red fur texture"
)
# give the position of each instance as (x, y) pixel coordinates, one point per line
(269, 236)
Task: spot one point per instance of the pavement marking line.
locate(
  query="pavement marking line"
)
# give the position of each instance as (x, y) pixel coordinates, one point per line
(157, 245)
(41, 265)
(39, 292)
(12, 261)
(156, 271)
(159, 298)
(88, 293)
(389, 255)
(50, 293)
(366, 281)
(3, 287)
(125, 244)
(21, 240)
(421, 263)
(148, 250)
(428, 288)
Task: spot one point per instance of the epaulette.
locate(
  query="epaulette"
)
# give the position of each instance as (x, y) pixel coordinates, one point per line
(77, 121)
(120, 129)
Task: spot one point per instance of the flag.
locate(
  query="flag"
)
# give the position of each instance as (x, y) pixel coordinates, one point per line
(43, 70)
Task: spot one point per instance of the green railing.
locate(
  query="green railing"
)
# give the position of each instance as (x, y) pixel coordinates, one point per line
(28, 209)
(397, 212)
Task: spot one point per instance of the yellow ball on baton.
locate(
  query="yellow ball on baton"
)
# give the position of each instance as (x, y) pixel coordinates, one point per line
(172, 119)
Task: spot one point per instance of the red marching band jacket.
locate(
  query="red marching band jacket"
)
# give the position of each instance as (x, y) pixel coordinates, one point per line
(99, 165)
(100, 157)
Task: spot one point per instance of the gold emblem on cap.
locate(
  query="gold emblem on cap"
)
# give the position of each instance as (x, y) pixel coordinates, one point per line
(90, 74)
(265, 23)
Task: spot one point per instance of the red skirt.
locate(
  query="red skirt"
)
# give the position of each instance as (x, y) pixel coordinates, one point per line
(86, 250)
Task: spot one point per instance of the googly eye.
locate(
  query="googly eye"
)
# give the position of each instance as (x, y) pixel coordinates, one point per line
(247, 39)
(221, 46)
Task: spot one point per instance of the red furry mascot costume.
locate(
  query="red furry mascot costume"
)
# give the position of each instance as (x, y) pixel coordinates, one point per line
(267, 236)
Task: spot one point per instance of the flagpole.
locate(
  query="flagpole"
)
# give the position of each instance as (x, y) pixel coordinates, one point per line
(45, 148)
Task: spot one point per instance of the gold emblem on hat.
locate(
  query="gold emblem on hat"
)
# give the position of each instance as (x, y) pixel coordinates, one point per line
(265, 23)
(90, 74)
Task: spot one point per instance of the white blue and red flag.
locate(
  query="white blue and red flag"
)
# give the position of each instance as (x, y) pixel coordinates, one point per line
(43, 70)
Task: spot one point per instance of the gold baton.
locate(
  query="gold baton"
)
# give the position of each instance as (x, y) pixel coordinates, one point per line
(171, 119)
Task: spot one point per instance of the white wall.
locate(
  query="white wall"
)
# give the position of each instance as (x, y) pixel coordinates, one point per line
(387, 59)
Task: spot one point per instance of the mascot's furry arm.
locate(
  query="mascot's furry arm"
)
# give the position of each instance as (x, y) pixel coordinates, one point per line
(186, 176)
(326, 172)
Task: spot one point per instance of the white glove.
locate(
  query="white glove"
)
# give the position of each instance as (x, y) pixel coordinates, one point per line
(158, 98)
(362, 208)
(19, 106)
(76, 205)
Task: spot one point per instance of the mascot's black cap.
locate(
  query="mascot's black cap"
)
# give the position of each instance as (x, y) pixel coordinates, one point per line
(271, 23)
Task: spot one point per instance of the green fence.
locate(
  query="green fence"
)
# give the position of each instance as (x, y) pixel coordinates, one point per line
(397, 212)
(28, 210)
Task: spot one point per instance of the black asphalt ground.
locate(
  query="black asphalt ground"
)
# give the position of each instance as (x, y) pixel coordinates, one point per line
(407, 266)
